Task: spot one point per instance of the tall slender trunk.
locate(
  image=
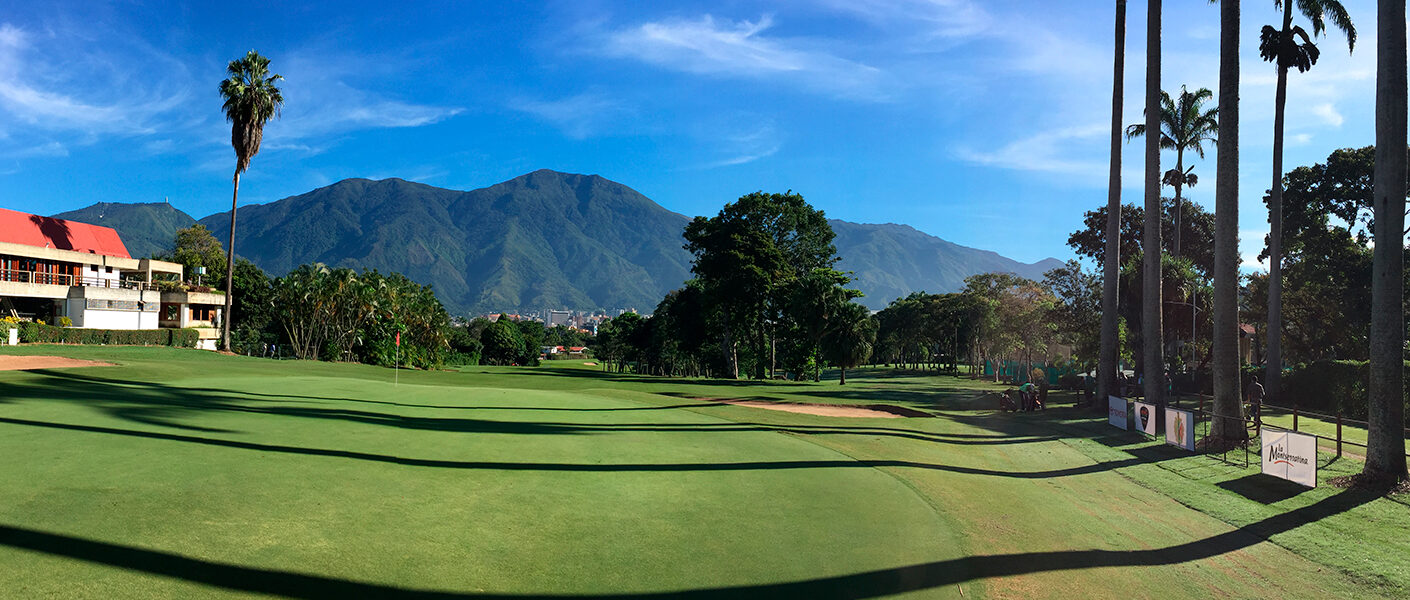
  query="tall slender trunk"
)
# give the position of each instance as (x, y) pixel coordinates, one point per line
(1226, 233)
(842, 375)
(1273, 369)
(1385, 442)
(1111, 269)
(1180, 167)
(225, 317)
(1153, 339)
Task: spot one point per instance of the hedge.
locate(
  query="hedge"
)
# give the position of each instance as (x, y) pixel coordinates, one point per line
(32, 333)
(1327, 386)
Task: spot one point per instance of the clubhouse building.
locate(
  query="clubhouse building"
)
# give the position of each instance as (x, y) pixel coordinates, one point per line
(52, 268)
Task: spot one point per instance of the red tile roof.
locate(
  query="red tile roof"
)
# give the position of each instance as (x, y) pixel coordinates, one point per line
(47, 232)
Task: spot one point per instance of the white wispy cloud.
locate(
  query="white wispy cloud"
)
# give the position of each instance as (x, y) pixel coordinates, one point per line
(579, 115)
(55, 87)
(726, 48)
(749, 143)
(1328, 112)
(47, 149)
(1047, 152)
(931, 19)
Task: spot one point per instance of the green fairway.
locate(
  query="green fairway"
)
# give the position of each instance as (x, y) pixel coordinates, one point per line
(188, 474)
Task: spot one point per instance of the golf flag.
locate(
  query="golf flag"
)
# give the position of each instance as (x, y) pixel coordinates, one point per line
(398, 339)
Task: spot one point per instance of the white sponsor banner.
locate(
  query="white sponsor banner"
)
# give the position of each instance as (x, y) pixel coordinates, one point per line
(1116, 412)
(1291, 456)
(1143, 417)
(1180, 428)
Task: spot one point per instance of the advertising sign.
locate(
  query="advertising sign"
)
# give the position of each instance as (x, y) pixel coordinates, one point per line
(1116, 412)
(1290, 456)
(1180, 428)
(1143, 417)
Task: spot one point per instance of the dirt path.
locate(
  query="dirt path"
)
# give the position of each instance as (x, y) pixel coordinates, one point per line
(25, 363)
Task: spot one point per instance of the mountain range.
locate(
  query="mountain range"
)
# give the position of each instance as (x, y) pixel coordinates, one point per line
(541, 240)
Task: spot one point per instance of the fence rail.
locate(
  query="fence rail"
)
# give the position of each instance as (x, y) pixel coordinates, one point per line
(65, 279)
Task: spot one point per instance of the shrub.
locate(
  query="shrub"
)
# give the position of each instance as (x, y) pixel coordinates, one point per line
(1327, 386)
(38, 333)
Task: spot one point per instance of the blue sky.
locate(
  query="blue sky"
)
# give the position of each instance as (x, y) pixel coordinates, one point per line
(984, 122)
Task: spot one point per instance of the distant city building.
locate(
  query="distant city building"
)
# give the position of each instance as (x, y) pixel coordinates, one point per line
(559, 317)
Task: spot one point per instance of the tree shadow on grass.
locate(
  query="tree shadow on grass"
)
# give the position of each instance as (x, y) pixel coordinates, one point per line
(163, 406)
(868, 584)
(573, 467)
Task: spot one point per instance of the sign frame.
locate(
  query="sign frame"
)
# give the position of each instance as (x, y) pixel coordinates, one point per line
(1175, 419)
(1117, 413)
(1148, 426)
(1285, 455)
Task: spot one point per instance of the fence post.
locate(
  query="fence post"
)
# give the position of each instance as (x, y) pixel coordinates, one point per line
(1294, 416)
(1338, 432)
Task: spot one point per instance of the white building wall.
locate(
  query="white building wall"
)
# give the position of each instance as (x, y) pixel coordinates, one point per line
(110, 319)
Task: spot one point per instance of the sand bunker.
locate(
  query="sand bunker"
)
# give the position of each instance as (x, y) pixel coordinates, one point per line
(25, 363)
(878, 411)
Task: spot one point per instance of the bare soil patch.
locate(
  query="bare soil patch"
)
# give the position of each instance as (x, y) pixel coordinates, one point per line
(875, 411)
(25, 363)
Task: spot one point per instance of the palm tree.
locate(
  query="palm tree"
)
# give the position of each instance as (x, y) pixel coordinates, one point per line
(1281, 47)
(1226, 233)
(1151, 298)
(1385, 443)
(251, 100)
(850, 338)
(1111, 266)
(1184, 125)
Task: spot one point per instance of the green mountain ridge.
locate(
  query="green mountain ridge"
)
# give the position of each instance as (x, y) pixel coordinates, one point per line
(541, 240)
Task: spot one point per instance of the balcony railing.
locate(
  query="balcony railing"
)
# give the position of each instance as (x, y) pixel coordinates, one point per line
(69, 280)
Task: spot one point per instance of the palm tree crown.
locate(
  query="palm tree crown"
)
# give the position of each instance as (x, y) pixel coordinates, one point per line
(1281, 45)
(251, 100)
(1186, 124)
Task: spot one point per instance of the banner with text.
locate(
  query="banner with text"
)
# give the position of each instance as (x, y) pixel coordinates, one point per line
(1116, 412)
(1290, 456)
(1180, 428)
(1143, 417)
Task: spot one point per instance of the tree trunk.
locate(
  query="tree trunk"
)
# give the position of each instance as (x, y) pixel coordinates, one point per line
(1152, 340)
(1179, 166)
(842, 375)
(1227, 424)
(1273, 368)
(1108, 361)
(1385, 443)
(225, 317)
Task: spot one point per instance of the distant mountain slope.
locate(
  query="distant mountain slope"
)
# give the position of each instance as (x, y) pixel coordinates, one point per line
(146, 229)
(545, 239)
(890, 261)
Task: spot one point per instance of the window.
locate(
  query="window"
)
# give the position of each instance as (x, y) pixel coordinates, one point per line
(95, 268)
(110, 269)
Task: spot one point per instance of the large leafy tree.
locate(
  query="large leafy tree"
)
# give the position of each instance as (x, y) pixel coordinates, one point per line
(747, 259)
(196, 247)
(1290, 47)
(1225, 338)
(1111, 269)
(252, 98)
(1185, 125)
(1385, 442)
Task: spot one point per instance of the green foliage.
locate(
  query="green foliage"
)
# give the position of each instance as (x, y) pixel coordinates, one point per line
(196, 247)
(251, 98)
(503, 343)
(37, 333)
(1328, 386)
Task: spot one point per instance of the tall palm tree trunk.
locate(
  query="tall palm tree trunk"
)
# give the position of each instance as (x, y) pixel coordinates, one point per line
(229, 271)
(1179, 168)
(1385, 444)
(1151, 297)
(1273, 371)
(1226, 233)
(1111, 275)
